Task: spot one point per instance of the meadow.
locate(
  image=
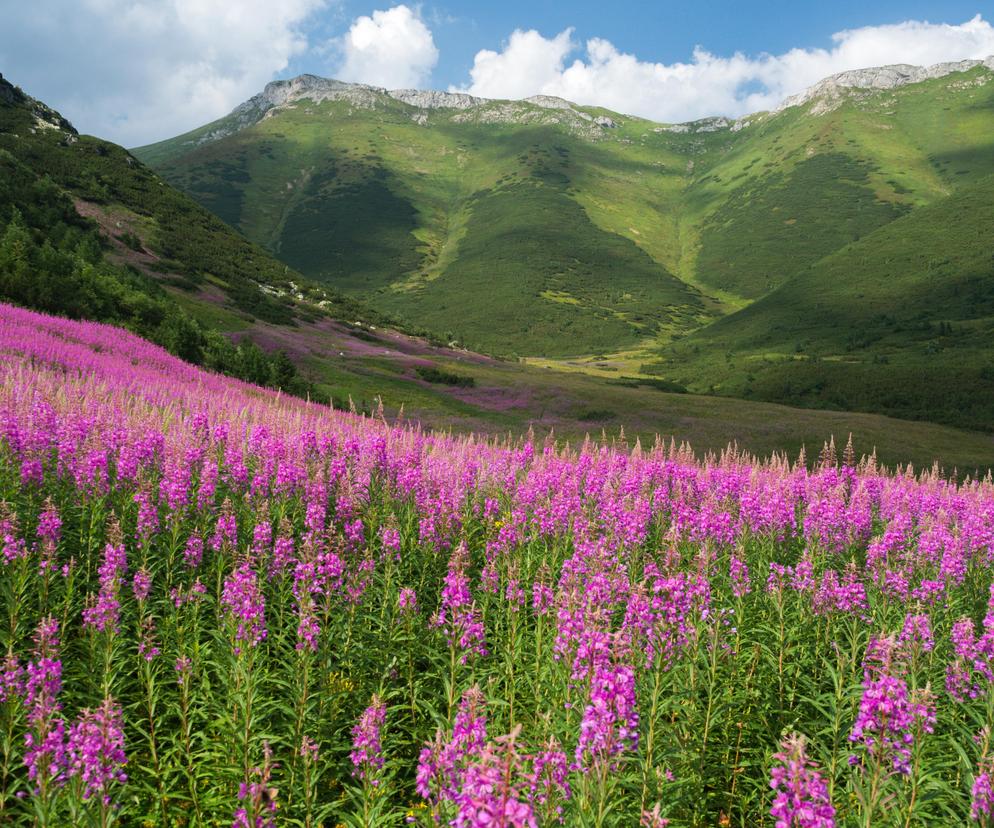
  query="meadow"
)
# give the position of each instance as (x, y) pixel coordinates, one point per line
(225, 606)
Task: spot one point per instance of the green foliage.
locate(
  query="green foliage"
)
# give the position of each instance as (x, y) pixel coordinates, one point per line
(534, 275)
(668, 386)
(438, 375)
(53, 260)
(354, 234)
(913, 341)
(778, 224)
(526, 235)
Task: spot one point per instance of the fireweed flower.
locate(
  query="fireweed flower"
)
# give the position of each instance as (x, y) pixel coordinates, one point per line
(542, 598)
(49, 524)
(193, 552)
(457, 614)
(104, 611)
(308, 749)
(739, 573)
(367, 752)
(654, 819)
(174, 489)
(262, 538)
(970, 674)
(610, 719)
(245, 605)
(307, 583)
(661, 617)
(141, 584)
(226, 531)
(801, 799)
(256, 791)
(887, 717)
(982, 793)
(514, 594)
(14, 547)
(96, 750)
(45, 749)
(916, 634)
(777, 580)
(550, 772)
(11, 680)
(192, 595)
(407, 600)
(184, 669)
(148, 515)
(390, 539)
(283, 549)
(441, 763)
(495, 789)
(147, 648)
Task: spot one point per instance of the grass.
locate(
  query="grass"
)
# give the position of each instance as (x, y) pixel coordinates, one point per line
(540, 240)
(644, 247)
(438, 376)
(913, 340)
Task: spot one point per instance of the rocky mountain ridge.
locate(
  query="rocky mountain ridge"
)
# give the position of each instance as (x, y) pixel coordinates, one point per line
(827, 94)
(830, 92)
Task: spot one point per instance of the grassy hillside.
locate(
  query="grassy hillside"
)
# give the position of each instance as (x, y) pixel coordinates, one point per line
(445, 225)
(882, 324)
(88, 231)
(677, 252)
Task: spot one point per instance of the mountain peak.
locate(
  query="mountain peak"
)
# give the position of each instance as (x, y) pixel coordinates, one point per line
(284, 94)
(44, 116)
(830, 91)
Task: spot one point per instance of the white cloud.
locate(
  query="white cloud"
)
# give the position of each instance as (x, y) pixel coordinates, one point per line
(392, 48)
(140, 70)
(531, 64)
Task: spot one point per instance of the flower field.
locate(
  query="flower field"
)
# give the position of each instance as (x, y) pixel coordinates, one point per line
(221, 606)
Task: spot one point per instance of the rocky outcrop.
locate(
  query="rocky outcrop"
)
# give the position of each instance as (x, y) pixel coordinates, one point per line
(549, 102)
(826, 95)
(702, 125)
(44, 116)
(10, 94)
(529, 112)
(427, 99)
(279, 95)
(829, 93)
(312, 88)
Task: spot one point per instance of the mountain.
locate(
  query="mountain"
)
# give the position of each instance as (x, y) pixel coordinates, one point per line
(595, 241)
(88, 231)
(423, 202)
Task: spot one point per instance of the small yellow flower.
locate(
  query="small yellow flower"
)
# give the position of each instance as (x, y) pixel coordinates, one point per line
(339, 683)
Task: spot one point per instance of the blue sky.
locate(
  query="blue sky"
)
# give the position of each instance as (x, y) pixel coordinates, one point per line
(136, 71)
(659, 31)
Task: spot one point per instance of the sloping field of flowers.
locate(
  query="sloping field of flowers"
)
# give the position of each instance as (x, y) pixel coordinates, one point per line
(223, 607)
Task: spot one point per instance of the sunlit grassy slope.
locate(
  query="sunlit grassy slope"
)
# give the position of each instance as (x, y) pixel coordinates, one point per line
(100, 236)
(698, 255)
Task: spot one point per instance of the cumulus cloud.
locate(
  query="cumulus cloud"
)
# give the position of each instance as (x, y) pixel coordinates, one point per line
(392, 48)
(528, 64)
(531, 64)
(140, 70)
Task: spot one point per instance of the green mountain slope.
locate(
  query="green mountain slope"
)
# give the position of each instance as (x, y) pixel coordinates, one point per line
(601, 242)
(370, 199)
(900, 321)
(87, 231)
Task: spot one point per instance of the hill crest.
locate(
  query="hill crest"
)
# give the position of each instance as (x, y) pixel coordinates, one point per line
(828, 93)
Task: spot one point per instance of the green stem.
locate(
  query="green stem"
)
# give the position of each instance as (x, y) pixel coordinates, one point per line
(650, 738)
